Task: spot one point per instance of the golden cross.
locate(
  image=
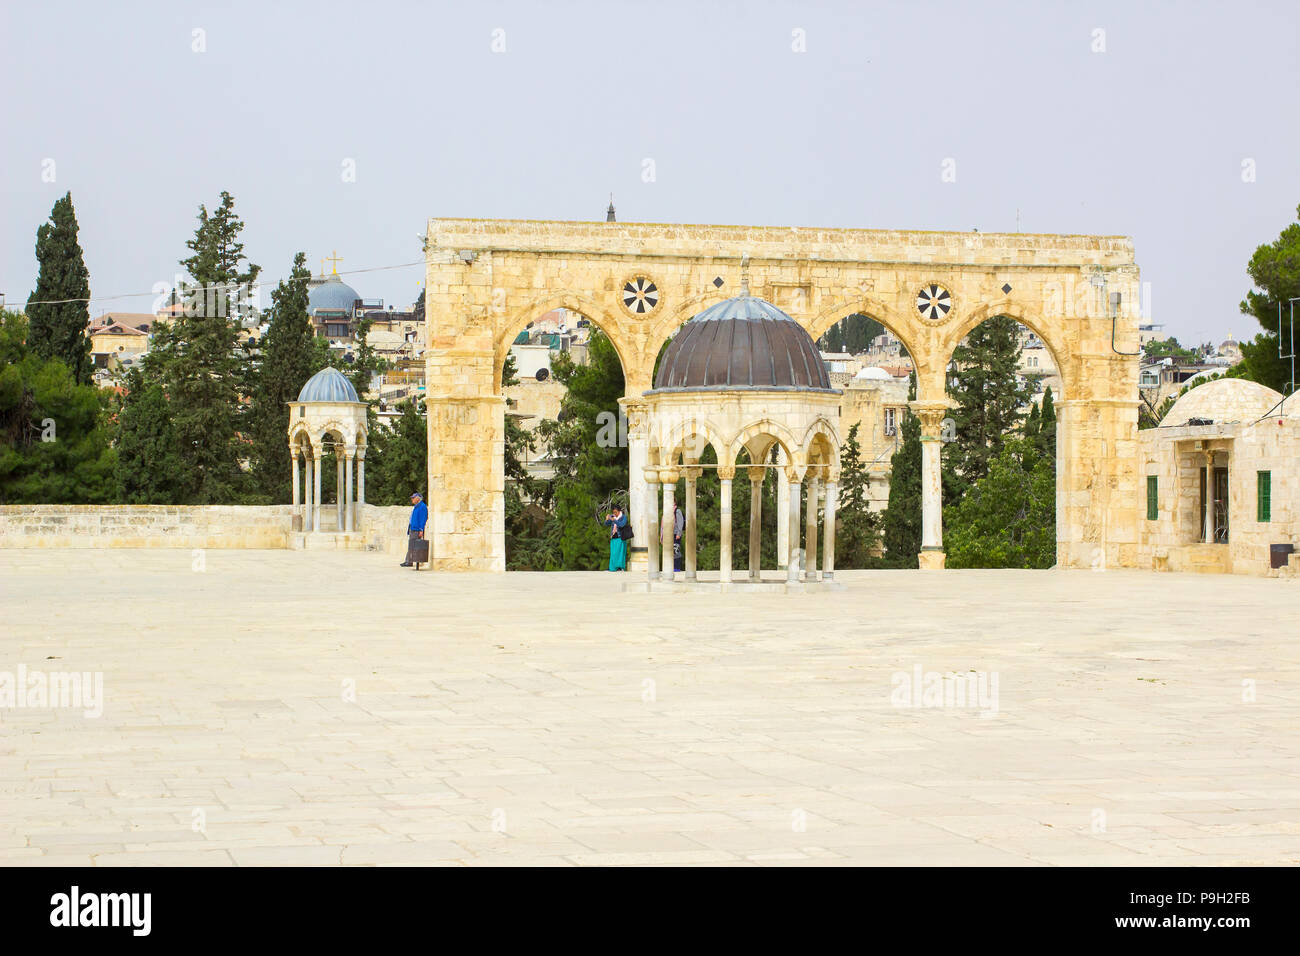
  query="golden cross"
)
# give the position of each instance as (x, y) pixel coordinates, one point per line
(336, 259)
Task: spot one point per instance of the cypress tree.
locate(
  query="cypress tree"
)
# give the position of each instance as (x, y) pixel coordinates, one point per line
(1047, 428)
(1031, 424)
(194, 359)
(288, 358)
(902, 521)
(57, 328)
(989, 396)
(856, 527)
(397, 461)
(149, 463)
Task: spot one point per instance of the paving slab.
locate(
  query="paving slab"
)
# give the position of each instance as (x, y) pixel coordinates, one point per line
(393, 718)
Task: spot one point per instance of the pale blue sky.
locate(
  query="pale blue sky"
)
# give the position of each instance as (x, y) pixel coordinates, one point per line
(1146, 139)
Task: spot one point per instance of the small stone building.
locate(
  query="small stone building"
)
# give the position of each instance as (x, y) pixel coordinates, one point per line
(1221, 481)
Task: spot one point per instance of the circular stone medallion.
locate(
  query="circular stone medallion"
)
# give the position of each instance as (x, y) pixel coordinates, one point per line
(933, 302)
(640, 295)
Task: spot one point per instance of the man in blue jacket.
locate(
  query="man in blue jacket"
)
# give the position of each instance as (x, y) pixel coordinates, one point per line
(415, 527)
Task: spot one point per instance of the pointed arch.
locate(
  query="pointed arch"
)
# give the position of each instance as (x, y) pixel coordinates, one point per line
(575, 302)
(1052, 334)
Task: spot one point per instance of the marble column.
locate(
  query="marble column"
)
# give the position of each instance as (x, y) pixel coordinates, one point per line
(650, 511)
(308, 522)
(688, 536)
(340, 505)
(756, 476)
(931, 415)
(639, 491)
(669, 481)
(725, 477)
(316, 464)
(810, 531)
(832, 503)
(297, 492)
(792, 530)
(361, 482)
(782, 519)
(1207, 526)
(349, 504)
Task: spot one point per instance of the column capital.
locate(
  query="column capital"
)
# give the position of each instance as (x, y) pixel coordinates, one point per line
(651, 475)
(668, 476)
(795, 473)
(692, 472)
(726, 472)
(756, 473)
(931, 415)
(637, 411)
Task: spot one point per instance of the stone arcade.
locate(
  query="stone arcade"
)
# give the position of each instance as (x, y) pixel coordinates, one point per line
(640, 282)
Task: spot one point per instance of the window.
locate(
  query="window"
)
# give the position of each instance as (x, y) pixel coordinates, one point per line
(1263, 496)
(1153, 498)
(891, 420)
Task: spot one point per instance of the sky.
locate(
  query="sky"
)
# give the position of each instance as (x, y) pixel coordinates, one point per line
(346, 126)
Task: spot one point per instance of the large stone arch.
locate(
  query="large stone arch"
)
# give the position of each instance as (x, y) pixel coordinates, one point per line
(575, 302)
(485, 279)
(1054, 337)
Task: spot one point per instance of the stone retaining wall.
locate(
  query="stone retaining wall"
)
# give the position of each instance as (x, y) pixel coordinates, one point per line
(180, 526)
(145, 526)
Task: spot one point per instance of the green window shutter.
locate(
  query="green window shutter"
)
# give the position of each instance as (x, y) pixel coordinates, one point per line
(1153, 499)
(1263, 495)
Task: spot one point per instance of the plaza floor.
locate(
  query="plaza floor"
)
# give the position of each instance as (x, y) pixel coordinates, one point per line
(282, 707)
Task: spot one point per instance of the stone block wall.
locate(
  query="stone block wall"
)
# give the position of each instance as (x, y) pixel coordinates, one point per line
(180, 526)
(145, 526)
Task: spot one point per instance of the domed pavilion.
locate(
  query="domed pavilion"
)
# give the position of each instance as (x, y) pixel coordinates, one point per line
(746, 379)
(328, 414)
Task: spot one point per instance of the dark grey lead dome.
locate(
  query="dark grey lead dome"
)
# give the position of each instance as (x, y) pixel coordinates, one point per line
(745, 342)
(328, 385)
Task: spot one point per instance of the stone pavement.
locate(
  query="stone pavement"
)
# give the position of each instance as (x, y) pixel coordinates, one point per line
(324, 708)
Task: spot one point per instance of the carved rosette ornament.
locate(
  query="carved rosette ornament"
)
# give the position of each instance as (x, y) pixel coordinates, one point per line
(934, 303)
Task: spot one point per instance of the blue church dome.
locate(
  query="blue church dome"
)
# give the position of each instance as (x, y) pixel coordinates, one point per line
(332, 295)
(328, 385)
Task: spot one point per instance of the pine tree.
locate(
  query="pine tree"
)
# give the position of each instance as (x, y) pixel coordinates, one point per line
(1275, 270)
(59, 310)
(902, 520)
(988, 395)
(288, 358)
(54, 445)
(194, 359)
